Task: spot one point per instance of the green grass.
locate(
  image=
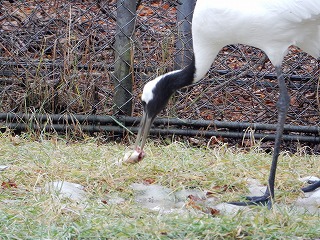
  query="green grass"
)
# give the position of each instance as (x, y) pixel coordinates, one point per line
(28, 212)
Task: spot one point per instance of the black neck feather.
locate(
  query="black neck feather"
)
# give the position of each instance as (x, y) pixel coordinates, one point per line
(182, 78)
(168, 84)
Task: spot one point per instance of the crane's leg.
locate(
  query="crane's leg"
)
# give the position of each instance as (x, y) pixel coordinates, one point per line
(282, 106)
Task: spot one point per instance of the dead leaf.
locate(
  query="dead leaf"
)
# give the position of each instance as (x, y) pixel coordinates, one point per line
(214, 211)
(210, 194)
(148, 181)
(9, 184)
(193, 204)
(194, 198)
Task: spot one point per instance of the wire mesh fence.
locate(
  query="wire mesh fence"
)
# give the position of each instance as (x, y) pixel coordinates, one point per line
(93, 57)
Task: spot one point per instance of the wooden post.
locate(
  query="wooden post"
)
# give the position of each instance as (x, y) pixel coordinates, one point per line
(123, 68)
(184, 42)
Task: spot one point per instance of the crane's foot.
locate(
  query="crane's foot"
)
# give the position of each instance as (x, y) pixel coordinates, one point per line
(313, 185)
(264, 200)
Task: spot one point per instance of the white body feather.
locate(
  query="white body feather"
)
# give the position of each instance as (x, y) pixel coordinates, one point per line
(271, 25)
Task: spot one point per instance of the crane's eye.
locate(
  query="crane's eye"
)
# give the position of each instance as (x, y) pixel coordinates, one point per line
(143, 103)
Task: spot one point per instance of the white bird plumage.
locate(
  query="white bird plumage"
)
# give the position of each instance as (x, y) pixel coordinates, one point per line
(271, 25)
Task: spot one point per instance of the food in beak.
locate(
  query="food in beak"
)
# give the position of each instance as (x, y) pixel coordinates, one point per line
(134, 157)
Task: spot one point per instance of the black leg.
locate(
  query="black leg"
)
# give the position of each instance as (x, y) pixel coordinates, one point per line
(282, 106)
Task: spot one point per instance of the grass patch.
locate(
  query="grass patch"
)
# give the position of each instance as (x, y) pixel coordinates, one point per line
(28, 212)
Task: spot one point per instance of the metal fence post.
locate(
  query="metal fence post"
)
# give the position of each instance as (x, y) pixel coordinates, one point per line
(184, 42)
(123, 68)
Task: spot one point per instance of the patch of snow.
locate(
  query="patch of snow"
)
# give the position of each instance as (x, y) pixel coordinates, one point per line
(311, 201)
(229, 209)
(65, 189)
(3, 167)
(114, 199)
(154, 197)
(165, 200)
(309, 178)
(183, 194)
(255, 187)
(158, 198)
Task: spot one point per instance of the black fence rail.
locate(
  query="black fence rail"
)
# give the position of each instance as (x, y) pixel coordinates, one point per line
(163, 126)
(92, 58)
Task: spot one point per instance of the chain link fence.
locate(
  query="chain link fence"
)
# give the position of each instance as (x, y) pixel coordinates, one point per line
(92, 57)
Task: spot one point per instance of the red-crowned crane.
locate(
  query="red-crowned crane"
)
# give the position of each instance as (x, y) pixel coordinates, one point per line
(271, 25)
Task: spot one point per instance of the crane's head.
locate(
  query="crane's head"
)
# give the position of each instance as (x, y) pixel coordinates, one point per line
(155, 97)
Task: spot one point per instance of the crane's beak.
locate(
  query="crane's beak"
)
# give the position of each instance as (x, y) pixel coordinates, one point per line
(143, 132)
